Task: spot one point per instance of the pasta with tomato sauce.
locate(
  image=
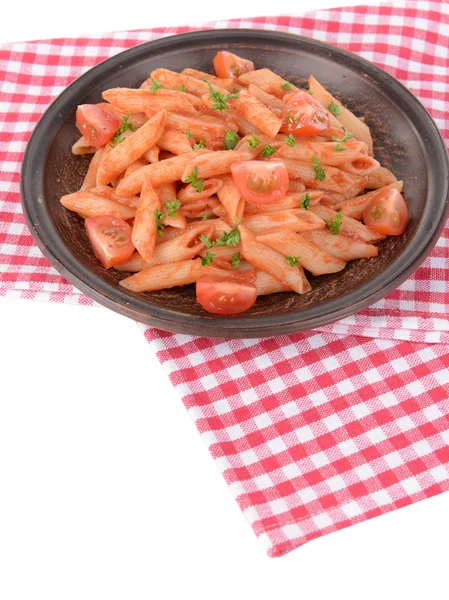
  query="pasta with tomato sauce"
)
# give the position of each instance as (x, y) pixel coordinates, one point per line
(239, 182)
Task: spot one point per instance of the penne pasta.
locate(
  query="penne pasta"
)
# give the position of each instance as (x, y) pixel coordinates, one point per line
(137, 101)
(310, 256)
(230, 198)
(271, 261)
(90, 204)
(269, 100)
(164, 171)
(213, 164)
(145, 223)
(257, 113)
(179, 248)
(349, 227)
(170, 79)
(379, 178)
(295, 219)
(347, 119)
(90, 179)
(340, 246)
(190, 194)
(268, 82)
(356, 206)
(334, 179)
(328, 153)
(161, 277)
(362, 164)
(220, 82)
(133, 147)
(82, 146)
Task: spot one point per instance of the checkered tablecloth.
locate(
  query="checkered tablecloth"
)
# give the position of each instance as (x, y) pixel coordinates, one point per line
(314, 431)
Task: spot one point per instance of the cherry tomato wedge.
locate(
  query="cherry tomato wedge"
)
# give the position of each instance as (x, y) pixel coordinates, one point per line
(227, 64)
(303, 115)
(96, 124)
(387, 213)
(110, 239)
(225, 295)
(260, 182)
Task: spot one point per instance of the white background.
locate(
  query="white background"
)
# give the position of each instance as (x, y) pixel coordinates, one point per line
(97, 499)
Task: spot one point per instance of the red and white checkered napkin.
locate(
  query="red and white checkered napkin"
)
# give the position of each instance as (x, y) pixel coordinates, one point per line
(313, 431)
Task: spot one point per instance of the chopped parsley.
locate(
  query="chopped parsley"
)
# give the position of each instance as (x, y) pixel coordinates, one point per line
(309, 91)
(345, 138)
(293, 261)
(231, 139)
(155, 85)
(286, 86)
(201, 144)
(207, 259)
(206, 240)
(220, 101)
(339, 148)
(320, 175)
(187, 134)
(334, 108)
(125, 126)
(290, 140)
(229, 239)
(172, 207)
(182, 88)
(253, 142)
(334, 224)
(205, 218)
(305, 202)
(268, 150)
(158, 216)
(196, 182)
(235, 260)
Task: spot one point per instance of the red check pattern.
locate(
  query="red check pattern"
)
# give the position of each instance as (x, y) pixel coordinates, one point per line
(314, 431)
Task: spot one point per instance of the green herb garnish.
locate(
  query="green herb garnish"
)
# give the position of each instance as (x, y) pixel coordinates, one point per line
(220, 101)
(345, 138)
(286, 86)
(158, 216)
(293, 261)
(207, 259)
(172, 207)
(231, 139)
(155, 85)
(201, 144)
(235, 260)
(196, 182)
(334, 224)
(309, 91)
(253, 142)
(187, 134)
(206, 240)
(339, 148)
(334, 108)
(205, 218)
(290, 140)
(320, 175)
(182, 88)
(229, 239)
(125, 126)
(305, 202)
(268, 150)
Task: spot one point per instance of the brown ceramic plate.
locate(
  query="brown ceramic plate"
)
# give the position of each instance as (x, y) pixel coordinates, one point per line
(406, 140)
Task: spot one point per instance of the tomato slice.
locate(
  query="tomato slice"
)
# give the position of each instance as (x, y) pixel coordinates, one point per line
(227, 64)
(225, 295)
(96, 124)
(303, 115)
(110, 239)
(260, 182)
(387, 213)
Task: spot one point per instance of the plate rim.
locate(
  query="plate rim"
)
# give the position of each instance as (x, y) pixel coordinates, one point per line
(37, 216)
